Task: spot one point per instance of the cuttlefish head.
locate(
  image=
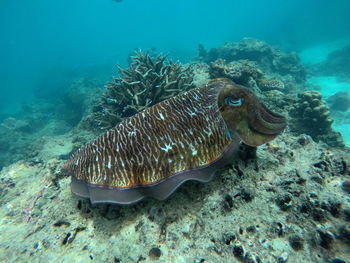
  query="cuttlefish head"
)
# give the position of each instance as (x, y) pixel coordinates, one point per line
(245, 115)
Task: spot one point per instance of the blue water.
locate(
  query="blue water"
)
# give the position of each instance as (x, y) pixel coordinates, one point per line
(43, 42)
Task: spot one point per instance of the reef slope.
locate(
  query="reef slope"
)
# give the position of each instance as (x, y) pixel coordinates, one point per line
(289, 202)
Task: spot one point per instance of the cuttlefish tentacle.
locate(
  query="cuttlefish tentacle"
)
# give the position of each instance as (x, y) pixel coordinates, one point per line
(268, 122)
(187, 137)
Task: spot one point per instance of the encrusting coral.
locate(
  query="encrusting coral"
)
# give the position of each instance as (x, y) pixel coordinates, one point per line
(148, 80)
(270, 84)
(312, 116)
(244, 72)
(268, 58)
(241, 72)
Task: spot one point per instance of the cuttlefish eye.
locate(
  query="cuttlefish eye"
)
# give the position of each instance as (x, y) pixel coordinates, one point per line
(234, 101)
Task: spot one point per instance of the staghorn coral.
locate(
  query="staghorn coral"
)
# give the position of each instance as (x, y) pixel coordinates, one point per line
(148, 80)
(312, 116)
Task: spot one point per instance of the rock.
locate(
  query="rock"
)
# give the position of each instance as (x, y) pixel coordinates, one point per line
(344, 233)
(346, 186)
(155, 253)
(346, 212)
(326, 239)
(283, 257)
(284, 201)
(296, 242)
(338, 260)
(238, 250)
(228, 238)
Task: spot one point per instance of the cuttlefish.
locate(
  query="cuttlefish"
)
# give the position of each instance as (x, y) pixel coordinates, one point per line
(187, 137)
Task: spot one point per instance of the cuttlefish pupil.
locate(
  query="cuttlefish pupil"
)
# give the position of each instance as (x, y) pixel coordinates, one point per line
(234, 102)
(187, 137)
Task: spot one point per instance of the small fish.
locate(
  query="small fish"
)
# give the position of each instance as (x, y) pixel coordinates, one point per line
(187, 137)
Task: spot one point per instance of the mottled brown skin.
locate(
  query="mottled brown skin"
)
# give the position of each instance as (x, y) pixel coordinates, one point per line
(176, 137)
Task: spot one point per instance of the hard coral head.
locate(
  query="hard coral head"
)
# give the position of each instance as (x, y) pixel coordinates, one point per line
(246, 116)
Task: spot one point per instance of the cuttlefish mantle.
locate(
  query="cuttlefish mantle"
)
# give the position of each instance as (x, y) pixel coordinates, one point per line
(187, 137)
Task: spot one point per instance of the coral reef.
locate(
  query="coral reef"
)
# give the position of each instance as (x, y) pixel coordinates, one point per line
(337, 63)
(20, 134)
(14, 140)
(201, 74)
(270, 84)
(146, 82)
(269, 59)
(340, 101)
(76, 100)
(244, 72)
(312, 116)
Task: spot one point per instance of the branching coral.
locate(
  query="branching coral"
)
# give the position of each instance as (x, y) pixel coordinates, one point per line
(311, 116)
(148, 80)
